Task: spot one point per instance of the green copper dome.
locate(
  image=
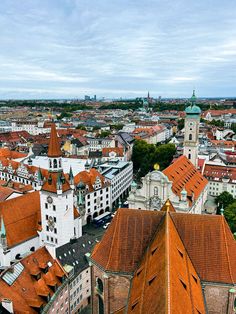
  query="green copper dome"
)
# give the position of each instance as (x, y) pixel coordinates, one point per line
(193, 110)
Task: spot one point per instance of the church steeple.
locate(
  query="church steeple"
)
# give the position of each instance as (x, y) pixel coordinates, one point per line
(54, 151)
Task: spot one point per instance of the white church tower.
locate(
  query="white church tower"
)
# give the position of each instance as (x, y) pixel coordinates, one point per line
(60, 219)
(191, 131)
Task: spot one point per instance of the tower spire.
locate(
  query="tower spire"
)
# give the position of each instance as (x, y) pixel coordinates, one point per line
(54, 149)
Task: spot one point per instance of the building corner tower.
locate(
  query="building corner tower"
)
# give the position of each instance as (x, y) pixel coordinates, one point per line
(191, 133)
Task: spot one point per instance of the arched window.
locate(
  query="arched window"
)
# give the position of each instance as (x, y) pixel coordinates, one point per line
(59, 163)
(100, 285)
(54, 163)
(190, 137)
(100, 305)
(50, 163)
(32, 249)
(189, 156)
(155, 190)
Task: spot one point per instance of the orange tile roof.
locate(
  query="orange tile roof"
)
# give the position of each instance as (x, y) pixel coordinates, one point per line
(118, 150)
(89, 178)
(207, 240)
(28, 293)
(184, 175)
(166, 281)
(126, 239)
(210, 244)
(54, 149)
(52, 186)
(7, 153)
(21, 217)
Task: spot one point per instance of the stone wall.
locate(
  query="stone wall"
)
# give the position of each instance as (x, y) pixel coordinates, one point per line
(219, 299)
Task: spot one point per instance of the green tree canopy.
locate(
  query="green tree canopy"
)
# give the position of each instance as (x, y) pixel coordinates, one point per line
(146, 155)
(223, 200)
(230, 216)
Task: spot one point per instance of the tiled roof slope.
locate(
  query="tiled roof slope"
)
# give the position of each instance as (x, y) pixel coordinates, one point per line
(21, 216)
(166, 281)
(50, 184)
(207, 240)
(89, 178)
(184, 175)
(54, 149)
(127, 237)
(210, 244)
(27, 293)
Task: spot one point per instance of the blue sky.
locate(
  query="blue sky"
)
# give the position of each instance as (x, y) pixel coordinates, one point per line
(117, 48)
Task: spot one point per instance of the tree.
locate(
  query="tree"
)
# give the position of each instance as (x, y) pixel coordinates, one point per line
(104, 134)
(145, 156)
(81, 127)
(224, 200)
(180, 124)
(230, 216)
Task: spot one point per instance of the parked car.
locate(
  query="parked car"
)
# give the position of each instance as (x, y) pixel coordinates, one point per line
(106, 225)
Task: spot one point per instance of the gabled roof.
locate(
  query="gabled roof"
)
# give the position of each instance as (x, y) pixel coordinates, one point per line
(54, 149)
(184, 175)
(210, 244)
(126, 239)
(27, 293)
(21, 217)
(207, 240)
(89, 178)
(166, 281)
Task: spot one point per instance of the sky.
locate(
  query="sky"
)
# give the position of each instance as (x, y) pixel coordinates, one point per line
(117, 48)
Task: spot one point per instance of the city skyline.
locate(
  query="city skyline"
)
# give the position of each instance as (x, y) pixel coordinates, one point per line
(69, 48)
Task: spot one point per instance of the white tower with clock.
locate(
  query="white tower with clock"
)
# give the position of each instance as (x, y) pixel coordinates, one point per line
(191, 131)
(60, 219)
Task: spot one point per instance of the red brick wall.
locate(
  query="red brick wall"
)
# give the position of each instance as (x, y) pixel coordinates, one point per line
(115, 293)
(218, 299)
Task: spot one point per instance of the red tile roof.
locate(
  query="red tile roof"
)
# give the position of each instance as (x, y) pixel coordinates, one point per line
(51, 186)
(21, 217)
(119, 151)
(89, 178)
(166, 281)
(217, 172)
(54, 149)
(184, 175)
(207, 240)
(27, 293)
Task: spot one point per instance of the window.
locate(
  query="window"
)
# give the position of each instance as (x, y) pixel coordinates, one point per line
(55, 219)
(55, 230)
(46, 205)
(46, 217)
(100, 285)
(54, 207)
(155, 190)
(183, 284)
(100, 305)
(54, 163)
(190, 137)
(189, 156)
(47, 228)
(51, 239)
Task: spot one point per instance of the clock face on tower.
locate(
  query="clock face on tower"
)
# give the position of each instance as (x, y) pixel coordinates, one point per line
(51, 223)
(49, 199)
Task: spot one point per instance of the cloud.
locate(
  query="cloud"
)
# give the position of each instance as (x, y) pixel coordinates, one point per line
(117, 48)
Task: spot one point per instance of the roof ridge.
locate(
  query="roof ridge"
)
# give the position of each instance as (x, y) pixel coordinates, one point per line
(226, 247)
(167, 257)
(113, 237)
